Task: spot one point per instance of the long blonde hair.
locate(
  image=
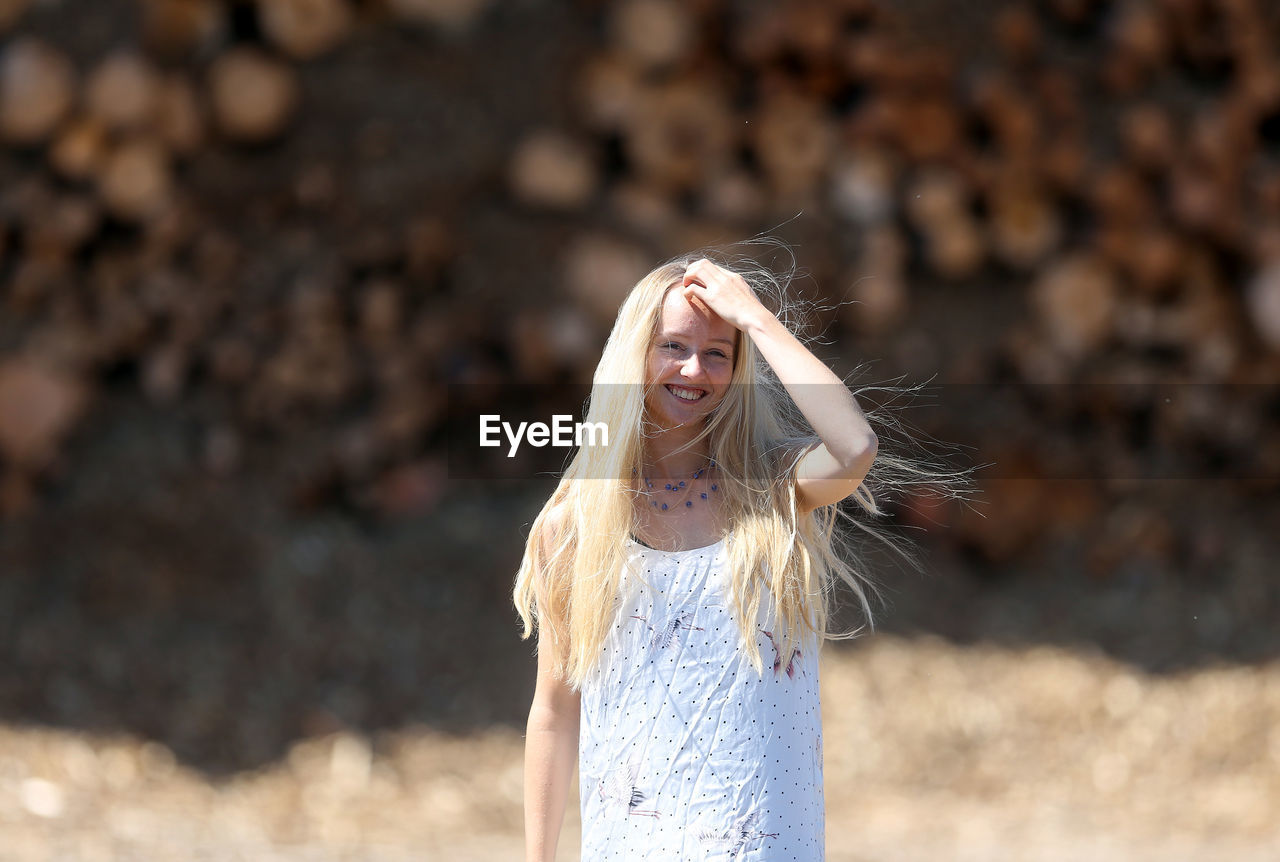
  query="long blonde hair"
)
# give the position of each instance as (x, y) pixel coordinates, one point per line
(569, 578)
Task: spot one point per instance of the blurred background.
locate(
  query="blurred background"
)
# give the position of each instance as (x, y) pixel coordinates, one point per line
(250, 248)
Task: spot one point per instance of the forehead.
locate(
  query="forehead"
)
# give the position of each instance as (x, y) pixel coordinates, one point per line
(680, 316)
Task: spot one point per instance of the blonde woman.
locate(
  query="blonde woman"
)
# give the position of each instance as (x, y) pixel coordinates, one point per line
(681, 580)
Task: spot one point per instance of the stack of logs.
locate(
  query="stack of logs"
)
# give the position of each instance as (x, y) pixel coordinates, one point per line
(1135, 193)
(100, 144)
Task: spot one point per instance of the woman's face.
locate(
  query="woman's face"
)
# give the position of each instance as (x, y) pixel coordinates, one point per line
(690, 363)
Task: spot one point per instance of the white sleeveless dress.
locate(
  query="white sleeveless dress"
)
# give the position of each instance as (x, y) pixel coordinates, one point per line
(685, 752)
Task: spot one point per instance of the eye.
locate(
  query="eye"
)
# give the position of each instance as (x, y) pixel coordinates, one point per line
(719, 353)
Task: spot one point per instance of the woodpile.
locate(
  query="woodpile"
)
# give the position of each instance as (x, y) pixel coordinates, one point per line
(455, 18)
(305, 29)
(253, 95)
(37, 87)
(1025, 225)
(679, 134)
(939, 204)
(181, 29)
(1263, 298)
(134, 180)
(41, 405)
(651, 34)
(878, 296)
(553, 170)
(1142, 232)
(793, 138)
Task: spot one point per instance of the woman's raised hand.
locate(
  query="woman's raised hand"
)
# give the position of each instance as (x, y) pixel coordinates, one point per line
(724, 292)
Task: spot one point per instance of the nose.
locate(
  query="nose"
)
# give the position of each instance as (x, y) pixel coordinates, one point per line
(693, 371)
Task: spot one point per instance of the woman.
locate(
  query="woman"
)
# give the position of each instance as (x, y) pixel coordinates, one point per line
(680, 579)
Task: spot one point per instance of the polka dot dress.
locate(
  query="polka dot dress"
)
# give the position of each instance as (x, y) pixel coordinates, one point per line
(685, 752)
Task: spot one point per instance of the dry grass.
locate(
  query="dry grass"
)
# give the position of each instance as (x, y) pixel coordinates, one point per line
(933, 751)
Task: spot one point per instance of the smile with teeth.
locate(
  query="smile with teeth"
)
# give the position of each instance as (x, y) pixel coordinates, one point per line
(685, 394)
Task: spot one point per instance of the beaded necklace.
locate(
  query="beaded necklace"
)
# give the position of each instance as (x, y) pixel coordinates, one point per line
(688, 503)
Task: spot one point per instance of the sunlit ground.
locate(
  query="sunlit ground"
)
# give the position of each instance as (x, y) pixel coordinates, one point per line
(932, 752)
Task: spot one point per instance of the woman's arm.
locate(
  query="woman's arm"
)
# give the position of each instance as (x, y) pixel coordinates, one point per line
(832, 470)
(551, 736)
(550, 757)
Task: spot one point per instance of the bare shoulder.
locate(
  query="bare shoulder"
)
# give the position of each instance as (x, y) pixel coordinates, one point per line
(554, 524)
(554, 699)
(558, 514)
